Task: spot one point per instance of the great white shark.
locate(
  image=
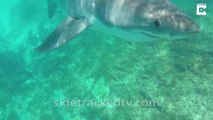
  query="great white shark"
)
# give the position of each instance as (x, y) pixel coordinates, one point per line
(136, 20)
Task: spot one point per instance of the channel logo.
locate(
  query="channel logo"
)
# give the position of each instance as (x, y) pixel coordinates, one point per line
(201, 9)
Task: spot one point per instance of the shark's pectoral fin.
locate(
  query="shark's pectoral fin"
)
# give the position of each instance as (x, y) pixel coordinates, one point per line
(67, 30)
(52, 8)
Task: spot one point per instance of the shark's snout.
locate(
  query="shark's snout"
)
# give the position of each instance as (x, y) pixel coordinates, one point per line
(183, 25)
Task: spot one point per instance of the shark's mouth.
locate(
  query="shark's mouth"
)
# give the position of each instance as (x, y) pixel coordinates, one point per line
(153, 35)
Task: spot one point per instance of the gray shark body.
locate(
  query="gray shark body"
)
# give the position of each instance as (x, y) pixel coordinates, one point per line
(135, 20)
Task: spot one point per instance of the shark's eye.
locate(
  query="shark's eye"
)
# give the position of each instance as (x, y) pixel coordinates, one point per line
(157, 23)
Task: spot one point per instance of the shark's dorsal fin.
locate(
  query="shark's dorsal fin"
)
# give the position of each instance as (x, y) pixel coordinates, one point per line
(52, 8)
(66, 31)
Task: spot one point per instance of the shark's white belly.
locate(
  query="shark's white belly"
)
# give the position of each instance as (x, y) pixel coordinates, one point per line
(97, 25)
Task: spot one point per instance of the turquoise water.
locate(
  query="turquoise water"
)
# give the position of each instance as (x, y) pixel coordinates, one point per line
(177, 74)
